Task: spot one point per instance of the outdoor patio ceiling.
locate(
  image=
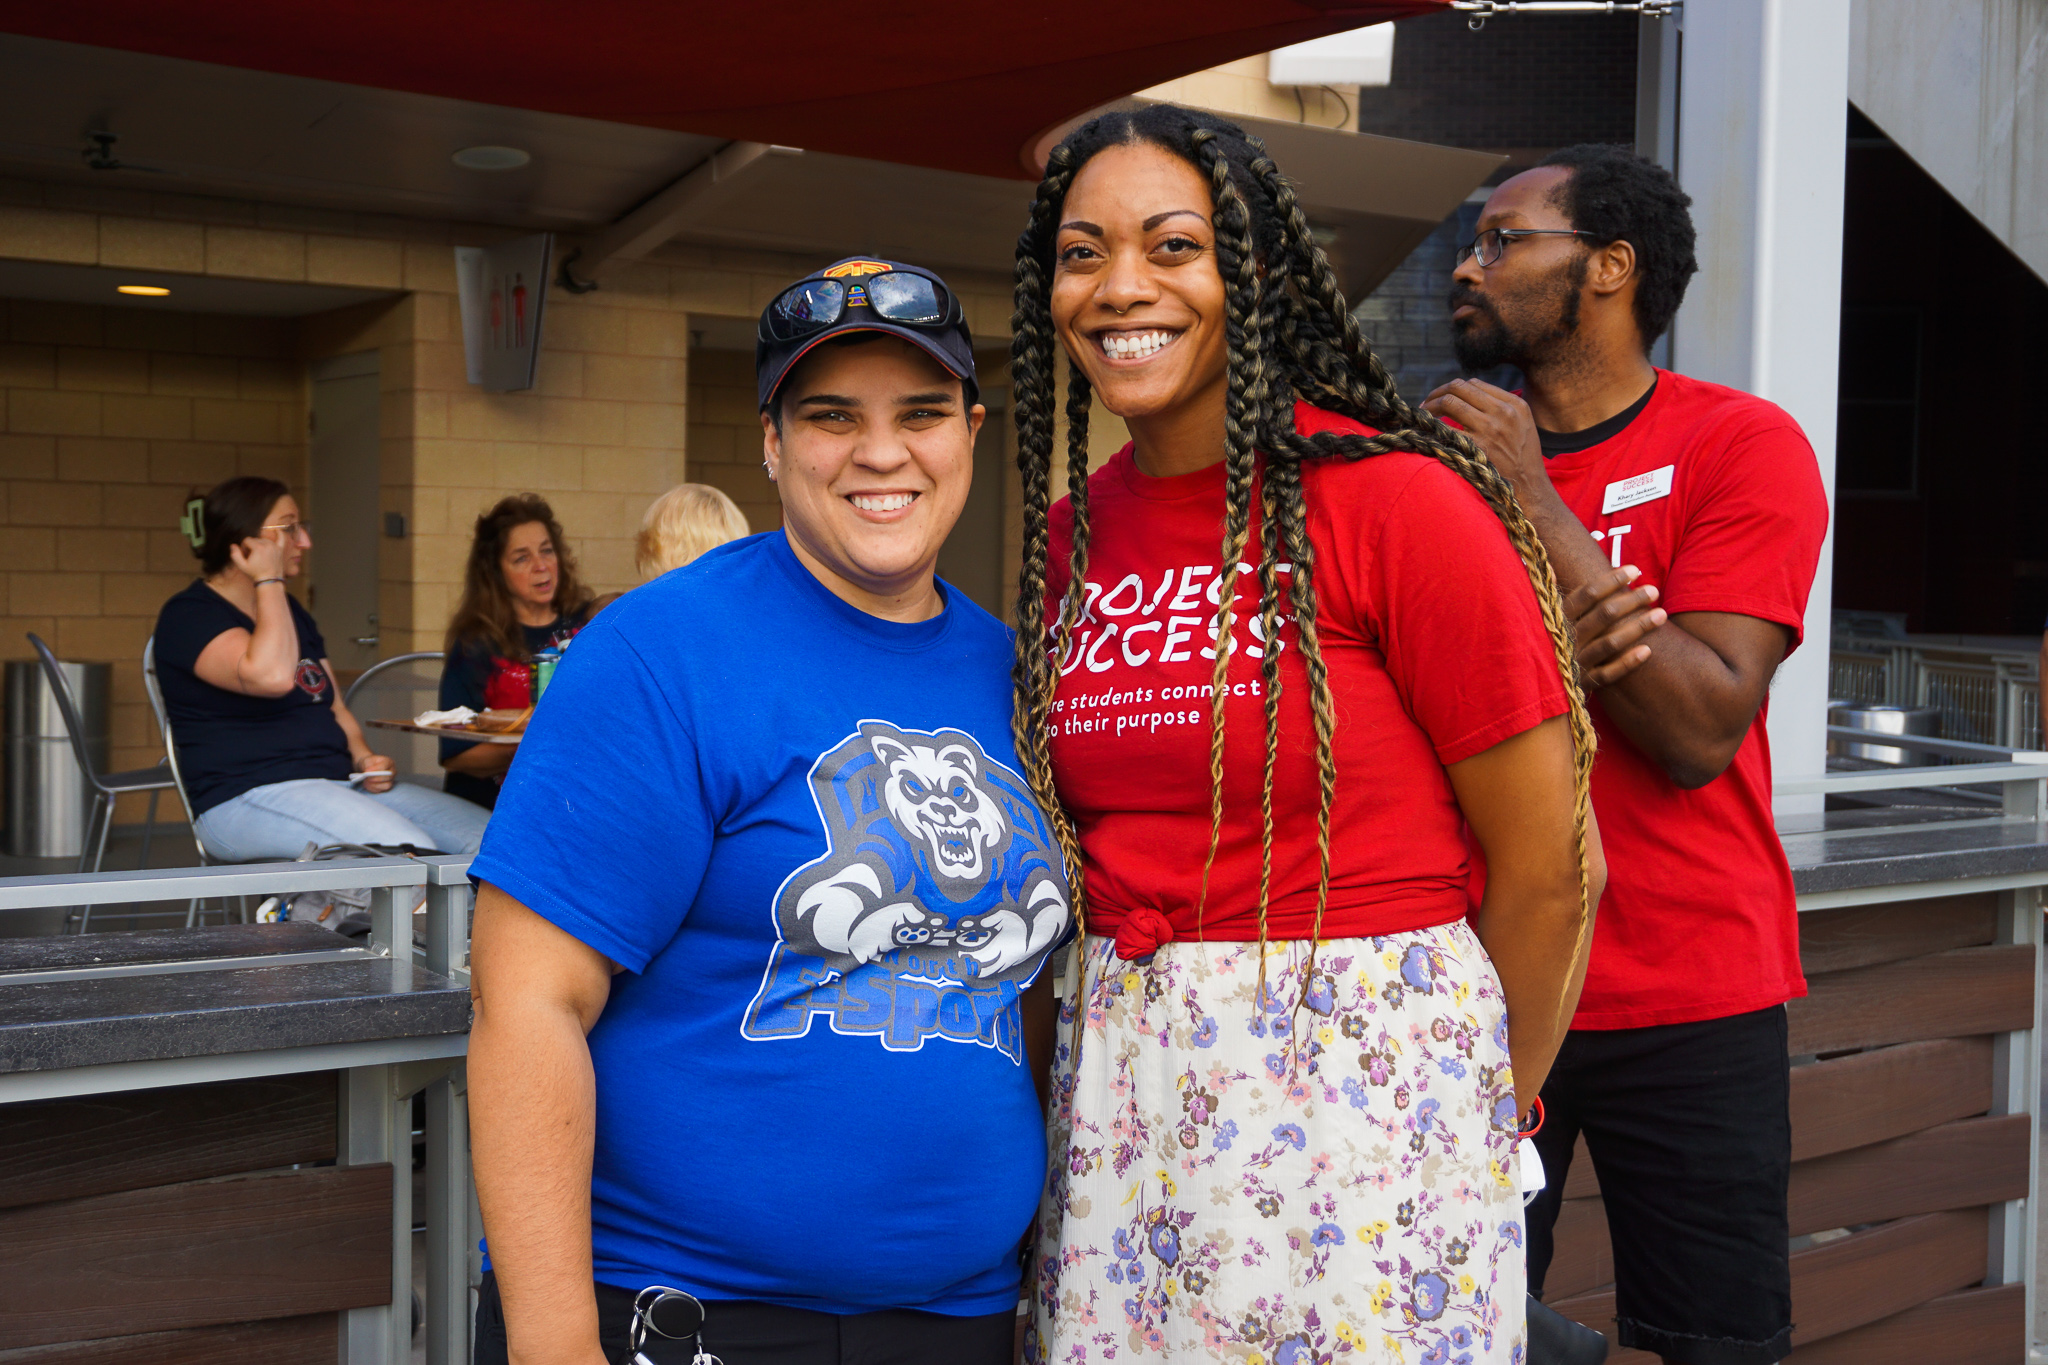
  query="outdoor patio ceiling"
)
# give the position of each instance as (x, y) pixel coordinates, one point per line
(917, 125)
(958, 87)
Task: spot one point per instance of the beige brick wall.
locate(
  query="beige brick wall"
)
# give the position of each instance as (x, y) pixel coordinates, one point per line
(725, 434)
(614, 418)
(113, 416)
(599, 436)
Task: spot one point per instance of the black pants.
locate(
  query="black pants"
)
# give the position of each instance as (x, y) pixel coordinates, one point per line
(1691, 1135)
(747, 1333)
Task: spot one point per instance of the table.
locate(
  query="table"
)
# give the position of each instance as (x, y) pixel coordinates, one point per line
(449, 732)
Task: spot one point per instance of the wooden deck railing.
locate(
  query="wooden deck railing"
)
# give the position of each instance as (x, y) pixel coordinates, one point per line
(1915, 1094)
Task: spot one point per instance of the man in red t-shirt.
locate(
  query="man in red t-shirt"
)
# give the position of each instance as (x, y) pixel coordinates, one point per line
(1685, 521)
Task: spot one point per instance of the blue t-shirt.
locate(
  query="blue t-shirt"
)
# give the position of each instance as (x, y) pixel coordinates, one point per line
(802, 831)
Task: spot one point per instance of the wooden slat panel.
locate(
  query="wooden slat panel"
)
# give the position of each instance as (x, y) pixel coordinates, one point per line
(1858, 1279)
(1946, 995)
(70, 1148)
(1582, 1258)
(286, 1341)
(1955, 1166)
(1852, 1101)
(1974, 1327)
(197, 1255)
(1864, 935)
(1870, 1275)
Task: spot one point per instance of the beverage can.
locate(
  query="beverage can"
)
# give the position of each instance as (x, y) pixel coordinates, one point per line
(543, 672)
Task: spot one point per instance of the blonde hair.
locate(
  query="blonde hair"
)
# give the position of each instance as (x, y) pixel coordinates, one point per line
(682, 524)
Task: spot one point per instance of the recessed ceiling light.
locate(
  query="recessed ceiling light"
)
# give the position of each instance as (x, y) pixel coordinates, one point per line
(148, 291)
(492, 158)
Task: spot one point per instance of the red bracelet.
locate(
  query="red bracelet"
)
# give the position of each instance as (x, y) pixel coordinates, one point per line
(1536, 1110)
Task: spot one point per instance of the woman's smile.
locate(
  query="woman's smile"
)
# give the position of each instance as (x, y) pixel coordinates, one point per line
(883, 505)
(1125, 347)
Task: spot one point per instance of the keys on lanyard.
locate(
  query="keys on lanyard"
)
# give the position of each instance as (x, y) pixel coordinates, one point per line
(670, 1314)
(1527, 1159)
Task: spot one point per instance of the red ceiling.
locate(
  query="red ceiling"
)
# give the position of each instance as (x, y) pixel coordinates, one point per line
(963, 87)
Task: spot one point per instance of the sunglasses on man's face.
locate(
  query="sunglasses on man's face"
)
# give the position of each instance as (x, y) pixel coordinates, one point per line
(893, 296)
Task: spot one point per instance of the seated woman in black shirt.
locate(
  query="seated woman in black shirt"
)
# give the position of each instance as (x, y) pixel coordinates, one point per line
(265, 745)
(520, 595)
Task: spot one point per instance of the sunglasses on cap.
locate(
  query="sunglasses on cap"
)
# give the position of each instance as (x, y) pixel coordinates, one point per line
(898, 296)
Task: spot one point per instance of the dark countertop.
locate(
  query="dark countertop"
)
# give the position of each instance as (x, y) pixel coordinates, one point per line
(1901, 845)
(99, 998)
(128, 947)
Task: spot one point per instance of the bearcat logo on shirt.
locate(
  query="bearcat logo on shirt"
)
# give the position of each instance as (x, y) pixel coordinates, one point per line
(933, 906)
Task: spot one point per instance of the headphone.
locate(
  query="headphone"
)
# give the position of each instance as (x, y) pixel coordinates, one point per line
(193, 523)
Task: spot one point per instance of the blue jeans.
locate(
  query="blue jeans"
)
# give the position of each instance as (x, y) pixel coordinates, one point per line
(275, 823)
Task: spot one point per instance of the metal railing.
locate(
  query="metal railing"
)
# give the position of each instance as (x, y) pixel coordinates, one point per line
(1985, 694)
(2022, 785)
(377, 1086)
(445, 880)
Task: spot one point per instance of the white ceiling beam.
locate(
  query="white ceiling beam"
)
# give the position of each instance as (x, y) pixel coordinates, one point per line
(691, 198)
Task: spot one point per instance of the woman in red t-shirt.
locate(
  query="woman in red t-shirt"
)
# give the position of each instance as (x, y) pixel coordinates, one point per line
(1284, 1108)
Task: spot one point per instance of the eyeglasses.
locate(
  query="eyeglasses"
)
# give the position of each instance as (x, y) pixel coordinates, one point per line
(1489, 245)
(292, 528)
(894, 295)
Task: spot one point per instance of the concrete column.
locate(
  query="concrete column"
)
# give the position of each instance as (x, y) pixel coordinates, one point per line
(1659, 44)
(1763, 107)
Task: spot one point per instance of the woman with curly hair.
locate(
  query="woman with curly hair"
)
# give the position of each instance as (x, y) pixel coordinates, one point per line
(1290, 1068)
(520, 595)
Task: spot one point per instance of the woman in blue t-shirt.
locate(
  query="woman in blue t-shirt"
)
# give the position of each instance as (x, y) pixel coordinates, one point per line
(266, 747)
(761, 902)
(520, 595)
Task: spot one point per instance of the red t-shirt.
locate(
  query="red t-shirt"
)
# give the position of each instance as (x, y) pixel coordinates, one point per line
(1435, 651)
(1716, 497)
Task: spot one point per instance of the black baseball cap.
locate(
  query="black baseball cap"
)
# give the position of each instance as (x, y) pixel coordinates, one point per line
(864, 294)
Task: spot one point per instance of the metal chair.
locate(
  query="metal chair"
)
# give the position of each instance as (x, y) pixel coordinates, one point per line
(105, 786)
(163, 725)
(154, 688)
(399, 688)
(348, 698)
(155, 693)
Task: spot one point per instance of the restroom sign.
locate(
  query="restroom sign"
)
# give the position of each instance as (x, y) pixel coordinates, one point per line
(502, 290)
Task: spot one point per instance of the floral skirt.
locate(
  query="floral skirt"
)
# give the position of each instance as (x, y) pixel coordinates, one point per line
(1282, 1177)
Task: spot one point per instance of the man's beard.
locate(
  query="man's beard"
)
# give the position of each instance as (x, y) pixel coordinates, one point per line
(1482, 347)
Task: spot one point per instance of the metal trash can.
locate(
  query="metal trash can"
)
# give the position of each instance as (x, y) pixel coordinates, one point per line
(1884, 720)
(48, 799)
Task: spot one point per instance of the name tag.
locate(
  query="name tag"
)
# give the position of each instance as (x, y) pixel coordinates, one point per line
(1638, 488)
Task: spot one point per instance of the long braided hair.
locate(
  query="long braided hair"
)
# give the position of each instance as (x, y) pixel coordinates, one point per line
(1290, 336)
